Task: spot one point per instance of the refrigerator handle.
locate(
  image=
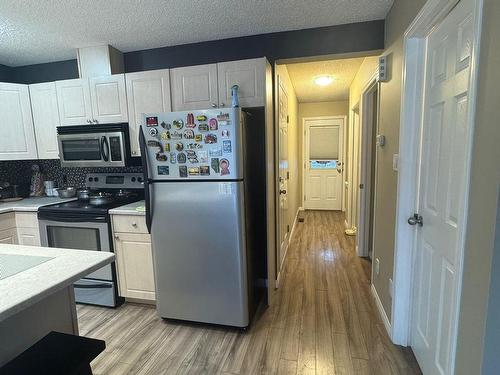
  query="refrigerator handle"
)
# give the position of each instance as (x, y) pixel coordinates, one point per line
(147, 180)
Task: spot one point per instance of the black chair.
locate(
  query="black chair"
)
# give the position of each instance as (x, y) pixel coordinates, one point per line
(56, 354)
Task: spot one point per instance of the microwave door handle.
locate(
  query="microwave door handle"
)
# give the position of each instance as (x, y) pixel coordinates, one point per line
(147, 180)
(104, 148)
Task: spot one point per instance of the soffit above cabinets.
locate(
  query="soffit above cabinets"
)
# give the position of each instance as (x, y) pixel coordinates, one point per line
(32, 34)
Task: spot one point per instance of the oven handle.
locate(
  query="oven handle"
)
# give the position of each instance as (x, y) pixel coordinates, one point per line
(92, 286)
(68, 218)
(147, 180)
(104, 146)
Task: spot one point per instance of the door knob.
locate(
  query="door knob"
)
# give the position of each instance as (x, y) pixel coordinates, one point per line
(282, 191)
(416, 219)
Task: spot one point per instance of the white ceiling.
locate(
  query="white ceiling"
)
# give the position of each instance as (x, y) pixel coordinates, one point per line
(343, 72)
(37, 31)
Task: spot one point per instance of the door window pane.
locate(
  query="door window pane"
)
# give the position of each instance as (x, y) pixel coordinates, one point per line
(323, 164)
(324, 143)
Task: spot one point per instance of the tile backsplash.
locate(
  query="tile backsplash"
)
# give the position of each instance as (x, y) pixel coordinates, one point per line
(19, 172)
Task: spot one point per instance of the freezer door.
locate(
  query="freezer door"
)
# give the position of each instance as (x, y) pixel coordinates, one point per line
(199, 252)
(195, 145)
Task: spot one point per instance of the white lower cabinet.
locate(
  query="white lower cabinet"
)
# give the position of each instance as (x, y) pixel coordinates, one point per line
(8, 236)
(28, 232)
(134, 260)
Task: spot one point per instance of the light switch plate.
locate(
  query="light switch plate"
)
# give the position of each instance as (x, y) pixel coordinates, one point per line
(395, 162)
(377, 266)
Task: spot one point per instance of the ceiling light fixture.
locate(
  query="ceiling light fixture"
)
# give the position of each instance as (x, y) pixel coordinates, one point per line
(323, 79)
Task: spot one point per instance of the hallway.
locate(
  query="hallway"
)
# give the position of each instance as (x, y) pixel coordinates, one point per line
(324, 321)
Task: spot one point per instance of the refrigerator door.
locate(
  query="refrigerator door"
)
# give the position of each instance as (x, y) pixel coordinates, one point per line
(194, 145)
(198, 236)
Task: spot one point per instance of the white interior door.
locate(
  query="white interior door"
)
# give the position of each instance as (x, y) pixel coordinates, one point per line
(442, 190)
(284, 226)
(323, 163)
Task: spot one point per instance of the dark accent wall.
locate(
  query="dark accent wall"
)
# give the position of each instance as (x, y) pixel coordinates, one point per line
(5, 73)
(348, 38)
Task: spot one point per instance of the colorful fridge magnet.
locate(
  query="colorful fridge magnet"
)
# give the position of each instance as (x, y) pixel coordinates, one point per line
(167, 147)
(215, 151)
(165, 135)
(203, 156)
(153, 143)
(224, 167)
(203, 127)
(225, 133)
(201, 118)
(194, 146)
(213, 124)
(163, 170)
(226, 147)
(189, 134)
(215, 165)
(190, 121)
(179, 146)
(173, 158)
(204, 170)
(181, 158)
(183, 172)
(153, 132)
(194, 171)
(166, 125)
(161, 157)
(176, 135)
(224, 119)
(193, 160)
(151, 121)
(198, 138)
(178, 124)
(211, 138)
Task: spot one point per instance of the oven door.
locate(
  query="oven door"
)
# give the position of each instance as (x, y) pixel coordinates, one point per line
(92, 149)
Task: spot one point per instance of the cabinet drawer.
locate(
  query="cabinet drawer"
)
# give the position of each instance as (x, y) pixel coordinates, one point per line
(28, 236)
(8, 236)
(26, 220)
(129, 224)
(7, 221)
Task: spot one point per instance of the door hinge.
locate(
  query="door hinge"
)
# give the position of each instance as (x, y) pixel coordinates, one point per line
(287, 228)
(287, 119)
(287, 175)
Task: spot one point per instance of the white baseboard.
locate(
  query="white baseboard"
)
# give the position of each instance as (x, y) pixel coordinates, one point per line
(381, 311)
(278, 277)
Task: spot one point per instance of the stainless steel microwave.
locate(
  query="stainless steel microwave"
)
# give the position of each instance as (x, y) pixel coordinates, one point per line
(106, 145)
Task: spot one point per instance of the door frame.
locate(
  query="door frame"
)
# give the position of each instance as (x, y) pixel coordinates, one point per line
(432, 13)
(365, 160)
(326, 118)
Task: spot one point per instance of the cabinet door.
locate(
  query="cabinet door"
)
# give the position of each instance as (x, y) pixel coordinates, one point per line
(73, 100)
(28, 236)
(249, 75)
(109, 99)
(8, 236)
(135, 265)
(17, 136)
(194, 87)
(147, 92)
(45, 118)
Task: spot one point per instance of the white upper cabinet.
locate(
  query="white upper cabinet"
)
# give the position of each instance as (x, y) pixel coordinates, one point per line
(45, 118)
(147, 92)
(194, 87)
(17, 138)
(92, 101)
(73, 99)
(109, 99)
(249, 75)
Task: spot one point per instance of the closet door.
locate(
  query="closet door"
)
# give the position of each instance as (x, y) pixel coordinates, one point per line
(194, 87)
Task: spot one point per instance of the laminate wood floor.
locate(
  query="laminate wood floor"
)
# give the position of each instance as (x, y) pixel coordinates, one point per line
(324, 321)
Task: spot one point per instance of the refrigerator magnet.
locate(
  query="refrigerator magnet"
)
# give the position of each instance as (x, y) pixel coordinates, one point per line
(179, 146)
(215, 151)
(194, 171)
(183, 171)
(165, 135)
(204, 170)
(181, 158)
(203, 127)
(167, 147)
(193, 160)
(215, 165)
(176, 135)
(190, 121)
(225, 133)
(198, 137)
(211, 138)
(201, 118)
(153, 132)
(189, 134)
(213, 124)
(166, 125)
(163, 170)
(161, 157)
(153, 143)
(151, 121)
(178, 124)
(203, 156)
(226, 147)
(224, 167)
(194, 146)
(173, 158)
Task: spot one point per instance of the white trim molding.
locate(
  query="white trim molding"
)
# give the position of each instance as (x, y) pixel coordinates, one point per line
(292, 232)
(432, 13)
(381, 311)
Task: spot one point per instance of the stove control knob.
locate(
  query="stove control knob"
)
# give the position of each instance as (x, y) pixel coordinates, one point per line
(96, 179)
(133, 179)
(139, 179)
(91, 179)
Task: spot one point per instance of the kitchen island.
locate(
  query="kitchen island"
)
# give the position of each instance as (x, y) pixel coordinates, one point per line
(36, 292)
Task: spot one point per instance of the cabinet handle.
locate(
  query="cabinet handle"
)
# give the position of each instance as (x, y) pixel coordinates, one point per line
(214, 105)
(134, 225)
(95, 121)
(117, 237)
(89, 122)
(221, 105)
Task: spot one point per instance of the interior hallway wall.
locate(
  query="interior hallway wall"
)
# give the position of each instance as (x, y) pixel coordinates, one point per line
(334, 108)
(293, 150)
(397, 21)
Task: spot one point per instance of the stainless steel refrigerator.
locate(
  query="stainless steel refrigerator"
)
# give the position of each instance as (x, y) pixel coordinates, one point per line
(195, 211)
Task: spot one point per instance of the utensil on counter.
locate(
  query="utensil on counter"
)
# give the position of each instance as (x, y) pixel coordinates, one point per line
(83, 194)
(68, 192)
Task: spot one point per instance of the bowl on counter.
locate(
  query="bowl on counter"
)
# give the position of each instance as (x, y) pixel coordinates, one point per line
(68, 192)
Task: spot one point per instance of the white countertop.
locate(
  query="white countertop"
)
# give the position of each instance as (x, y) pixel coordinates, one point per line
(31, 204)
(31, 285)
(129, 209)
